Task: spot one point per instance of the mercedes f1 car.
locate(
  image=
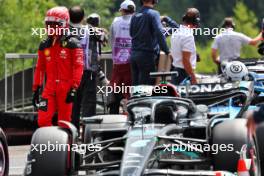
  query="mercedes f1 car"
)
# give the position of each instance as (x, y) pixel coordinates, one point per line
(254, 73)
(163, 134)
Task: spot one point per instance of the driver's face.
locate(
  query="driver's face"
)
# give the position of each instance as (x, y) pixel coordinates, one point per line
(52, 23)
(53, 28)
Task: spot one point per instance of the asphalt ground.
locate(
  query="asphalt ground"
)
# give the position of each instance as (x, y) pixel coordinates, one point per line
(17, 159)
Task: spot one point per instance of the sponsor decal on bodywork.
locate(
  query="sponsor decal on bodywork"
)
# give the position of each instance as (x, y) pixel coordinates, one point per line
(206, 88)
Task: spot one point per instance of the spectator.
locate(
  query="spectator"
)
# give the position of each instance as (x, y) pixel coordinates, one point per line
(229, 43)
(121, 51)
(148, 37)
(184, 49)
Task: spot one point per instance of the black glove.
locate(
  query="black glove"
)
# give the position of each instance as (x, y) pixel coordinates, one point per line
(71, 96)
(35, 99)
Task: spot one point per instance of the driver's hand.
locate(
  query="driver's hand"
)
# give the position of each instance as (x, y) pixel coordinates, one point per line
(35, 97)
(71, 96)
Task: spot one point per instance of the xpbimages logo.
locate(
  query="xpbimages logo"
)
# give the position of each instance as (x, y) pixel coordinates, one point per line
(146, 90)
(195, 31)
(194, 147)
(51, 147)
(41, 32)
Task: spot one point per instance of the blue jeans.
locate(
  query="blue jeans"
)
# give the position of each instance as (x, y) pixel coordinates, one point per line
(142, 64)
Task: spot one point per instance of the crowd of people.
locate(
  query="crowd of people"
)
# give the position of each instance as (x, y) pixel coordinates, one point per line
(70, 63)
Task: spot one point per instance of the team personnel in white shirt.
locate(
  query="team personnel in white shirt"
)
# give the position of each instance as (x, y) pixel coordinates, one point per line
(183, 48)
(121, 42)
(229, 43)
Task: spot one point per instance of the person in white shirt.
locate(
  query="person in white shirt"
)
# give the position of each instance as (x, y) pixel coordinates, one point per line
(121, 43)
(230, 42)
(183, 48)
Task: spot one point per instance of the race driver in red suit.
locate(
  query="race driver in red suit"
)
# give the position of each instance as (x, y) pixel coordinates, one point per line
(60, 61)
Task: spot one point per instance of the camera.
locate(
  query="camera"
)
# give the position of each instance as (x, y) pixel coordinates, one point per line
(102, 38)
(102, 77)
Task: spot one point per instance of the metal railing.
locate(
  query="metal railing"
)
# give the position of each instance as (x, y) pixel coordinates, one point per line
(18, 82)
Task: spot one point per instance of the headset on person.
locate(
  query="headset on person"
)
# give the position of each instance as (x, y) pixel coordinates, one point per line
(228, 22)
(192, 16)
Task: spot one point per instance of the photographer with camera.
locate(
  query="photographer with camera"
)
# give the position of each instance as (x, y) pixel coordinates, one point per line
(98, 36)
(85, 102)
(98, 39)
(84, 94)
(148, 39)
(230, 42)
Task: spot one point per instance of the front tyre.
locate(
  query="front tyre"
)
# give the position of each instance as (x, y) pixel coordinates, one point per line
(50, 153)
(234, 132)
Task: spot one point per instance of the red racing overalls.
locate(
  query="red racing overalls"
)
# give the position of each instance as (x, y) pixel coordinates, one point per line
(61, 63)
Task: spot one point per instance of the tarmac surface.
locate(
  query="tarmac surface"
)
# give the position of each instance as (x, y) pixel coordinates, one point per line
(17, 159)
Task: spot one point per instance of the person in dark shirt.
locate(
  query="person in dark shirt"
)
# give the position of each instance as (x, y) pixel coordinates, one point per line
(148, 38)
(85, 101)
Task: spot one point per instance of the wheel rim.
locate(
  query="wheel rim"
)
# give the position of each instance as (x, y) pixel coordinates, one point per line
(2, 160)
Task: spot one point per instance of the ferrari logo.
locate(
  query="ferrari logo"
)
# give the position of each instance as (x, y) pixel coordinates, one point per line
(63, 54)
(46, 52)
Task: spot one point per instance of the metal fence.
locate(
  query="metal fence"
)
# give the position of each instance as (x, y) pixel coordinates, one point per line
(17, 94)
